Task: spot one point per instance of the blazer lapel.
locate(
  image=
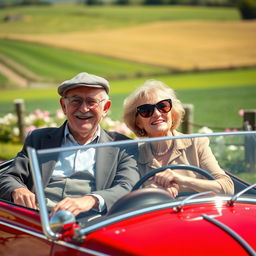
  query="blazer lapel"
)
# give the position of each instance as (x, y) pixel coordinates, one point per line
(52, 139)
(105, 160)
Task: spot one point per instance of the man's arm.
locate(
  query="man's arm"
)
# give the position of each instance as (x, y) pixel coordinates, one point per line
(126, 175)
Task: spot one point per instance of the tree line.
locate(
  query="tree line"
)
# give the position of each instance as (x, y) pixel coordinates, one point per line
(247, 8)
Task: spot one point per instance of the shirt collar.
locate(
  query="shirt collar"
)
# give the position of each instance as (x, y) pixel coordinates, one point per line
(69, 137)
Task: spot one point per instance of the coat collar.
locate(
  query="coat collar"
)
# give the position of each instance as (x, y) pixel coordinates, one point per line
(146, 156)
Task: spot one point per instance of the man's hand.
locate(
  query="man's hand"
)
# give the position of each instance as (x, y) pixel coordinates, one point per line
(24, 197)
(76, 205)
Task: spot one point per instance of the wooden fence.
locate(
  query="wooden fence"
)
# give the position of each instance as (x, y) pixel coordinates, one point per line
(249, 124)
(249, 120)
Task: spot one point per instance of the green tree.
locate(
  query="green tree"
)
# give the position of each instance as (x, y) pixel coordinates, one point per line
(247, 9)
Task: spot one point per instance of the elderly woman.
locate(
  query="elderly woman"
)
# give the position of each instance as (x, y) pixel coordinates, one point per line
(153, 110)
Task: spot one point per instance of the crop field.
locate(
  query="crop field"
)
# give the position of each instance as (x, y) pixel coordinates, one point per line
(184, 45)
(38, 62)
(180, 38)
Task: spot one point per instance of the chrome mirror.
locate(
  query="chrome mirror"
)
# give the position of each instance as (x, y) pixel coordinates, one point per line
(61, 219)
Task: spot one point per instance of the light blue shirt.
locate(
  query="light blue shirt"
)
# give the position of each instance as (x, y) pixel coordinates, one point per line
(81, 160)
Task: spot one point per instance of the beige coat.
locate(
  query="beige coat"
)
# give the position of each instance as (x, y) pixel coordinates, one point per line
(192, 151)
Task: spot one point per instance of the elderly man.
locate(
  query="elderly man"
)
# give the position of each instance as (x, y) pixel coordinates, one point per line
(105, 175)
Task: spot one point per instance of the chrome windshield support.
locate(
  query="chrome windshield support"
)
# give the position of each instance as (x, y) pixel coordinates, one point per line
(235, 197)
(179, 207)
(37, 179)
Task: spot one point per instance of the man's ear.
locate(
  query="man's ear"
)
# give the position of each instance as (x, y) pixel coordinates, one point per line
(106, 107)
(63, 106)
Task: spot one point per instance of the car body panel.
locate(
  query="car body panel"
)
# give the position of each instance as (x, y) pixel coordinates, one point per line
(21, 232)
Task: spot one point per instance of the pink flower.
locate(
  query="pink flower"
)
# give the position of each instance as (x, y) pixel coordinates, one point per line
(122, 128)
(227, 130)
(60, 114)
(30, 128)
(241, 112)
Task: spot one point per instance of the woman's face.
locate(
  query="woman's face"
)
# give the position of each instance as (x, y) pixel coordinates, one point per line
(157, 125)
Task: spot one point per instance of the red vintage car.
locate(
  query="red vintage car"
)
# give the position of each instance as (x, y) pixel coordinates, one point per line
(146, 221)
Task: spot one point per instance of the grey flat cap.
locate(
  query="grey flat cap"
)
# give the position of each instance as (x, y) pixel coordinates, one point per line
(83, 79)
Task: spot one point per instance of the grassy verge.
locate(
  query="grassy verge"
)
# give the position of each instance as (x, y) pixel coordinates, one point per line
(9, 150)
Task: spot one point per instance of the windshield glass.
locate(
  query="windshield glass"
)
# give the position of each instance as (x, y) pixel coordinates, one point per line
(185, 164)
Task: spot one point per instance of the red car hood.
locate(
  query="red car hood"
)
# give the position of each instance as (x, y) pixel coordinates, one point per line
(166, 232)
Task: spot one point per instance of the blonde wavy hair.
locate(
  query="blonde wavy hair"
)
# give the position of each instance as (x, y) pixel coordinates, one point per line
(150, 87)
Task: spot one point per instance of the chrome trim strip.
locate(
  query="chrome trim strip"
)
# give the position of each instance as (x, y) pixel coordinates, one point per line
(41, 236)
(130, 142)
(72, 246)
(232, 233)
(94, 227)
(24, 230)
(189, 198)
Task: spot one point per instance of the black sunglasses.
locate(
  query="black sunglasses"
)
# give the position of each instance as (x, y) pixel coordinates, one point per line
(147, 110)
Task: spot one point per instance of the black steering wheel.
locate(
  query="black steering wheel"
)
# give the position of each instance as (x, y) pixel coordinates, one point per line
(173, 166)
(149, 196)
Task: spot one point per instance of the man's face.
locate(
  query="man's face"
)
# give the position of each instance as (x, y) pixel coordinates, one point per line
(84, 108)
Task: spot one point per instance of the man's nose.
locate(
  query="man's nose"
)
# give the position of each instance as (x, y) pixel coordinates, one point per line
(84, 106)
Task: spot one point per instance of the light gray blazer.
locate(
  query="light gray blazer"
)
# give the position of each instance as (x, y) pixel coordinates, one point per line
(116, 168)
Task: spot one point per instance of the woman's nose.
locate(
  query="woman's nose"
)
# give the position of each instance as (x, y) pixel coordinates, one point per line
(156, 112)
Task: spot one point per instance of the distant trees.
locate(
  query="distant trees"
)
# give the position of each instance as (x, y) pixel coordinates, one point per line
(247, 9)
(6, 3)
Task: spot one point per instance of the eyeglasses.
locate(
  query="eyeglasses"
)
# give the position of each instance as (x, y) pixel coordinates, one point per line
(76, 102)
(147, 110)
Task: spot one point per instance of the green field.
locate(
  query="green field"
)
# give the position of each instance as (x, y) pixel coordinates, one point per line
(66, 18)
(217, 96)
(54, 64)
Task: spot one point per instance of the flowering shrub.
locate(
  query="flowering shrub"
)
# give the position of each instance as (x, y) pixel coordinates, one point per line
(38, 119)
(8, 128)
(230, 152)
(116, 126)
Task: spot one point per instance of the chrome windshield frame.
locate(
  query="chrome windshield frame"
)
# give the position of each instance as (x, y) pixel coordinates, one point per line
(37, 179)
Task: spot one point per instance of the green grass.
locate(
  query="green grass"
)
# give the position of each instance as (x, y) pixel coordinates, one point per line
(3, 79)
(55, 64)
(9, 150)
(217, 96)
(70, 18)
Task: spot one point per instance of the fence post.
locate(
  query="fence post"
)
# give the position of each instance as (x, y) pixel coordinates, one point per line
(249, 124)
(20, 111)
(187, 124)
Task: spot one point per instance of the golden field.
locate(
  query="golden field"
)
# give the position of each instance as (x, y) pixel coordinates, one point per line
(182, 45)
